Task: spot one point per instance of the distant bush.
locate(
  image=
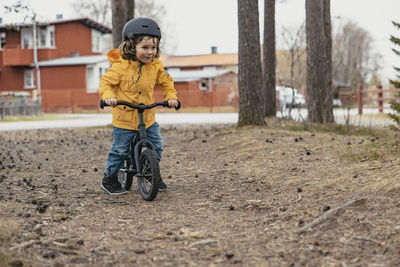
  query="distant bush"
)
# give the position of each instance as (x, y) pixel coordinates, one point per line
(395, 116)
(394, 105)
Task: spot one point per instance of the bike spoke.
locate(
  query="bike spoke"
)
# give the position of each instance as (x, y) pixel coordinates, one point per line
(147, 175)
(149, 171)
(146, 167)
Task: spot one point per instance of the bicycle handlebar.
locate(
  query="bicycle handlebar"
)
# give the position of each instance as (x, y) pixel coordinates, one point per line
(103, 104)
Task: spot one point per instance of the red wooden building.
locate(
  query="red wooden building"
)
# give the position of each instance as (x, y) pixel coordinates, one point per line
(205, 80)
(69, 62)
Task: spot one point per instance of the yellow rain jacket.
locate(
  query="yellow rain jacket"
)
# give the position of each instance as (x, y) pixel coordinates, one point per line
(117, 83)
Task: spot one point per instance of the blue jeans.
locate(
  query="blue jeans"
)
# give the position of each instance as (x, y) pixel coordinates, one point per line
(120, 149)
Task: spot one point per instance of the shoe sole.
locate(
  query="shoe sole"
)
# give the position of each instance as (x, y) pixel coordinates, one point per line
(112, 194)
(162, 190)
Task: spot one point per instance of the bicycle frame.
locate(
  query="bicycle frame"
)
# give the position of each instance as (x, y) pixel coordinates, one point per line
(139, 142)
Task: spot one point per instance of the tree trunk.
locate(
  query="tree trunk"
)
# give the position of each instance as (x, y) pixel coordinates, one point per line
(328, 39)
(251, 95)
(319, 58)
(122, 12)
(269, 58)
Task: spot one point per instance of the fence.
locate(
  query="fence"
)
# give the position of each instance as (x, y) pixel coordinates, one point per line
(20, 107)
(376, 98)
(69, 100)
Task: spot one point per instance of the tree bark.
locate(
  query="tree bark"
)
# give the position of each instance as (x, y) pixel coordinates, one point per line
(251, 95)
(319, 58)
(269, 58)
(122, 12)
(328, 41)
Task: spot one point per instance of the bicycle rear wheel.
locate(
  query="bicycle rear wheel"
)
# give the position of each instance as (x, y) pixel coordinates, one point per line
(149, 180)
(125, 178)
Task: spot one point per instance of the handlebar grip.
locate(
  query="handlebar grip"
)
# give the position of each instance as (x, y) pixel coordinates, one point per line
(103, 104)
(178, 106)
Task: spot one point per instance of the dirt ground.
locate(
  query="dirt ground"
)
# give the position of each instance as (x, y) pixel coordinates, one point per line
(252, 196)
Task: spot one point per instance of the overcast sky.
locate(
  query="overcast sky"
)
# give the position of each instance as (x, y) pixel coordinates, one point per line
(196, 25)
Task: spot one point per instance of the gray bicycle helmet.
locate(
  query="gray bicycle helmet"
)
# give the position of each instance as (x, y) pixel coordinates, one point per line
(141, 26)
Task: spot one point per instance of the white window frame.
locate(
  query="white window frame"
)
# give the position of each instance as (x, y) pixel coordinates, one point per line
(26, 32)
(203, 87)
(90, 79)
(96, 41)
(45, 37)
(51, 32)
(93, 74)
(42, 36)
(29, 79)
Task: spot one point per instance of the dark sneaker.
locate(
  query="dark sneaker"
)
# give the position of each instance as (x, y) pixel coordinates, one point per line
(162, 186)
(111, 185)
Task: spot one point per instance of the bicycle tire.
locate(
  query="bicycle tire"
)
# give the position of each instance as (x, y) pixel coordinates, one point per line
(149, 180)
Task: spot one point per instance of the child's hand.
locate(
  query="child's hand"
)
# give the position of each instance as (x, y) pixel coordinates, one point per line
(172, 103)
(111, 102)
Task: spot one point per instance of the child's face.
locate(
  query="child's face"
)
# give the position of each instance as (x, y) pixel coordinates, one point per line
(146, 50)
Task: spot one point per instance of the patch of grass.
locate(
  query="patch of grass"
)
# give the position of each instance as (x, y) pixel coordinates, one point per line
(8, 229)
(340, 129)
(93, 128)
(5, 258)
(380, 116)
(14, 258)
(373, 151)
(361, 155)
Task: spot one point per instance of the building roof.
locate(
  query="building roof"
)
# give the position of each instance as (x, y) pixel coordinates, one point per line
(195, 75)
(200, 60)
(86, 21)
(68, 61)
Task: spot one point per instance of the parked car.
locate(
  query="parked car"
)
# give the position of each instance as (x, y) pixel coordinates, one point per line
(337, 102)
(286, 97)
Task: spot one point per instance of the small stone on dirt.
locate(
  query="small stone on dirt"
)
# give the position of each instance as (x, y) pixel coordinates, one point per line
(42, 208)
(139, 251)
(178, 238)
(49, 255)
(229, 254)
(326, 208)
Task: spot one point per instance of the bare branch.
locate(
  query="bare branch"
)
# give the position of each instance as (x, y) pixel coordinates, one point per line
(329, 214)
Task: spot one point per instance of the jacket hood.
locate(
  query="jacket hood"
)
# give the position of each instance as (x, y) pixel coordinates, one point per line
(114, 56)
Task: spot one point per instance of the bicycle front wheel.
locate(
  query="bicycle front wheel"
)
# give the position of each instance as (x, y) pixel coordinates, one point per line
(149, 179)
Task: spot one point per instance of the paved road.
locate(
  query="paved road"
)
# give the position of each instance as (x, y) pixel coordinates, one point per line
(102, 119)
